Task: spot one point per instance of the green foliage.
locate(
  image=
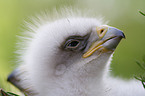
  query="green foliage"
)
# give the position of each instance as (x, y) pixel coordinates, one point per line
(3, 93)
(142, 13)
(142, 66)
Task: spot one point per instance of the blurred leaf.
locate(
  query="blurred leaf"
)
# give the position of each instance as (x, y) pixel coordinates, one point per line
(142, 79)
(140, 65)
(12, 94)
(3, 93)
(143, 83)
(142, 13)
(137, 78)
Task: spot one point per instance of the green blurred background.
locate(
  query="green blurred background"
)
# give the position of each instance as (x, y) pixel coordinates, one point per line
(122, 14)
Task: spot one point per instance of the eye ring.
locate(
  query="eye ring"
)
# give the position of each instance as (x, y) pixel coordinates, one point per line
(73, 44)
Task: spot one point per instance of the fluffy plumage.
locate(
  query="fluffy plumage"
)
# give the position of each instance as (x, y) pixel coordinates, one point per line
(53, 61)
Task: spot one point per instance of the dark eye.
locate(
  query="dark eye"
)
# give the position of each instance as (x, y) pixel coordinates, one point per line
(73, 44)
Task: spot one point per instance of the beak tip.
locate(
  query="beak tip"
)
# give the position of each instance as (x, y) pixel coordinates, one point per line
(123, 35)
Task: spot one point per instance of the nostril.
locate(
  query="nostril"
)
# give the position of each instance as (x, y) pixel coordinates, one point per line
(101, 31)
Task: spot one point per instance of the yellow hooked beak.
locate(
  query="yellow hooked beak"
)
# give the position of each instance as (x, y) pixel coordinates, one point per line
(108, 39)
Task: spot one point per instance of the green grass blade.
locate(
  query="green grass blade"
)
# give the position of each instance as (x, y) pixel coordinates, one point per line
(140, 65)
(143, 83)
(3, 93)
(12, 94)
(142, 13)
